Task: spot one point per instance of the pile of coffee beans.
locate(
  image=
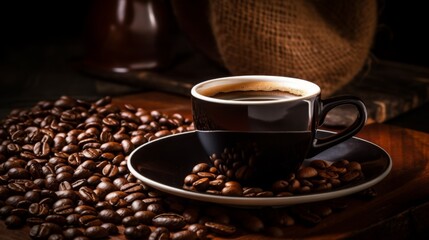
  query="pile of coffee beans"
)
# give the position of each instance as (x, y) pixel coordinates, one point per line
(318, 176)
(63, 174)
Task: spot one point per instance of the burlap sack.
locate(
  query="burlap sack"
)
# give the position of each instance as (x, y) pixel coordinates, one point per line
(326, 42)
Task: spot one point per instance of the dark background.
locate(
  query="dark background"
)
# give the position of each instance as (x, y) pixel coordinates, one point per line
(42, 41)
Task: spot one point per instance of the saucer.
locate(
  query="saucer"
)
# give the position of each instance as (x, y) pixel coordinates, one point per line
(163, 164)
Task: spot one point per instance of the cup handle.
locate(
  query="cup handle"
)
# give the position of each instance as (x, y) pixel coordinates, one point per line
(321, 144)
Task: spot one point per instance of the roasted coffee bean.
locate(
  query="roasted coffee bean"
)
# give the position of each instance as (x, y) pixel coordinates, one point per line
(367, 194)
(57, 219)
(13, 221)
(96, 232)
(321, 210)
(65, 185)
(18, 173)
(82, 173)
(85, 210)
(88, 195)
(73, 219)
(67, 194)
(72, 233)
(124, 212)
(232, 188)
(284, 219)
(31, 221)
(91, 153)
(160, 233)
(351, 176)
(190, 179)
(41, 149)
(89, 221)
(222, 229)
(274, 231)
(201, 184)
(184, 235)
(138, 205)
(319, 164)
(111, 228)
(201, 167)
(171, 221)
(17, 188)
(44, 230)
(5, 211)
(111, 147)
(137, 232)
(110, 170)
(38, 210)
(130, 221)
(157, 208)
(306, 216)
(109, 216)
(200, 230)
(306, 172)
(134, 196)
(131, 187)
(144, 217)
(191, 214)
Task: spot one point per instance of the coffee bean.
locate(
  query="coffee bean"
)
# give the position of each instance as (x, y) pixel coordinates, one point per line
(73, 219)
(88, 195)
(160, 233)
(89, 221)
(124, 212)
(111, 228)
(131, 187)
(351, 176)
(307, 172)
(232, 188)
(85, 210)
(110, 170)
(200, 230)
(144, 217)
(96, 232)
(130, 221)
(31, 221)
(38, 210)
(18, 173)
(72, 233)
(171, 221)
(201, 167)
(201, 184)
(222, 229)
(44, 230)
(137, 232)
(91, 153)
(109, 216)
(111, 147)
(184, 235)
(13, 221)
(57, 219)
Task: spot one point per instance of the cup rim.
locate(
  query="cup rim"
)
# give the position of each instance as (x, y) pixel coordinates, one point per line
(312, 89)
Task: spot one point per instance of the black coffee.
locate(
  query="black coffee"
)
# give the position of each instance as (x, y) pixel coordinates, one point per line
(255, 95)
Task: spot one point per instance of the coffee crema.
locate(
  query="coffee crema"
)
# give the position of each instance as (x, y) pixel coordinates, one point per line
(255, 95)
(252, 88)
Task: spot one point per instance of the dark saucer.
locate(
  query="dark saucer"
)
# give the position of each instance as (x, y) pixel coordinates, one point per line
(164, 163)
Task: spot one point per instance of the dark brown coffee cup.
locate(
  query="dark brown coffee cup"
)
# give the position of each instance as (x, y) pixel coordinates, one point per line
(261, 128)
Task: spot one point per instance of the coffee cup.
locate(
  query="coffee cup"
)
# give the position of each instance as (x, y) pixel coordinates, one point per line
(258, 129)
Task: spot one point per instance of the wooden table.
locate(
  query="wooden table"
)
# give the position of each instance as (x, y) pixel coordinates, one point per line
(400, 210)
